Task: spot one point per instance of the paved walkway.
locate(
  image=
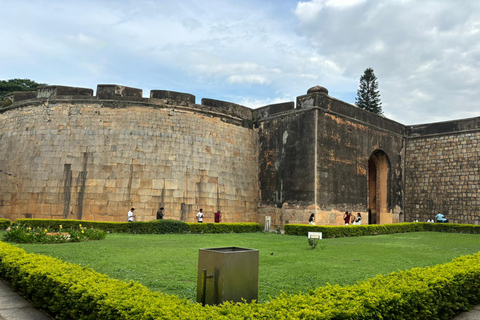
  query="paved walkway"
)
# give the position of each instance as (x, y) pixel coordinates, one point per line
(14, 307)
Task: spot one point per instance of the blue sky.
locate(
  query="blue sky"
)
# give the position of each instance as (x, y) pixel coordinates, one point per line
(426, 54)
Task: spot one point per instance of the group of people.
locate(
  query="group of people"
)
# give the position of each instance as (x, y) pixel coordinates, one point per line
(349, 218)
(217, 216)
(160, 214)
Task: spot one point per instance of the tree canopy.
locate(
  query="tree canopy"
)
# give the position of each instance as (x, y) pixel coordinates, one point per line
(368, 95)
(7, 86)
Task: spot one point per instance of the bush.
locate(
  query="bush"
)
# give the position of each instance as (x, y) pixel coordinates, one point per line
(144, 227)
(224, 227)
(368, 230)
(4, 224)
(68, 291)
(23, 234)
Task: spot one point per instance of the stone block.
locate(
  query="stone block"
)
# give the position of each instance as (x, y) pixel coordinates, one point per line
(112, 91)
(173, 96)
(50, 92)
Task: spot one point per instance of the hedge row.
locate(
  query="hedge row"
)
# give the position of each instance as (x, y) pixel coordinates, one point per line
(368, 230)
(148, 227)
(68, 291)
(4, 224)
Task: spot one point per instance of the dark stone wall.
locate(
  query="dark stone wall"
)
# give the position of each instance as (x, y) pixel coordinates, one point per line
(345, 145)
(286, 159)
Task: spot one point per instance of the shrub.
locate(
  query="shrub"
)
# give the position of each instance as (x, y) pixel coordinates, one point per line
(224, 227)
(4, 224)
(69, 291)
(368, 230)
(23, 234)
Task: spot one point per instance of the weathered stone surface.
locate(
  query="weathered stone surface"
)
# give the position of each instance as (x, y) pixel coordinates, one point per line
(173, 96)
(228, 108)
(18, 96)
(317, 89)
(112, 91)
(50, 92)
(83, 157)
(272, 109)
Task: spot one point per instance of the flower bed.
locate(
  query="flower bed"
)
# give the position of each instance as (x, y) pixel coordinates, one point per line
(25, 234)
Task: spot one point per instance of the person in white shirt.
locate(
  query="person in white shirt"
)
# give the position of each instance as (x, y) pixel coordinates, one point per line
(200, 216)
(131, 215)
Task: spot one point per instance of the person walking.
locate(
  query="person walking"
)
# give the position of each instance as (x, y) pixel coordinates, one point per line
(311, 220)
(160, 214)
(131, 215)
(200, 216)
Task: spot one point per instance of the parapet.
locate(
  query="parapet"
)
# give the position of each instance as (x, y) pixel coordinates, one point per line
(18, 96)
(228, 108)
(446, 127)
(172, 96)
(272, 109)
(49, 92)
(115, 91)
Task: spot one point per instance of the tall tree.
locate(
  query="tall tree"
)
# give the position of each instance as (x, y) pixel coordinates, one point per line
(7, 86)
(368, 96)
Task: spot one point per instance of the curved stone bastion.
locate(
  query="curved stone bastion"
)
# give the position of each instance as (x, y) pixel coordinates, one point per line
(68, 154)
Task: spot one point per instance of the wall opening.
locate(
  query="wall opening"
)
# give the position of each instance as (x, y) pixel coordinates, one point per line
(378, 169)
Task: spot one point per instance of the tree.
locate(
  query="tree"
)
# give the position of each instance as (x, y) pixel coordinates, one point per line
(368, 96)
(17, 85)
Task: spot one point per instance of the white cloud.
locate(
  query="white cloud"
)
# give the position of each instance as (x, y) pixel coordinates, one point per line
(426, 54)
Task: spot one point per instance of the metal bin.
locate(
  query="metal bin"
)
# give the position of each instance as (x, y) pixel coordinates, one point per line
(227, 274)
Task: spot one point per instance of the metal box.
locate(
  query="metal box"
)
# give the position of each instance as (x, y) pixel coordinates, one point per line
(227, 274)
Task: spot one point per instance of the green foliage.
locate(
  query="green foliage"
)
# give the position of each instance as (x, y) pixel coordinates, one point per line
(23, 234)
(369, 230)
(69, 291)
(224, 227)
(368, 96)
(12, 85)
(149, 227)
(313, 242)
(4, 224)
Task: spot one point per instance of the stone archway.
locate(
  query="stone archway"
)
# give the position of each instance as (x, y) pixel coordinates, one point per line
(378, 170)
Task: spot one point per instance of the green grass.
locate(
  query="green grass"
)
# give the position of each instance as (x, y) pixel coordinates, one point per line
(168, 263)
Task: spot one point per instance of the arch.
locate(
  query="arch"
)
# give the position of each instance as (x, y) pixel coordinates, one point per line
(378, 200)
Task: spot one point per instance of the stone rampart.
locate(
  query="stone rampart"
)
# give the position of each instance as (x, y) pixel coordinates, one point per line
(69, 154)
(443, 161)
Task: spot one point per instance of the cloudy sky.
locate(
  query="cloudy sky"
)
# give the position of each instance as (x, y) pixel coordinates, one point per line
(426, 54)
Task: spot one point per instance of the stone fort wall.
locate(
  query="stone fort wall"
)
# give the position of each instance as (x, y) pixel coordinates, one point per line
(69, 154)
(443, 171)
(66, 153)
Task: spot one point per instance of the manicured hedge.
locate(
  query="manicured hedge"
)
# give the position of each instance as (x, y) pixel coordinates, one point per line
(69, 291)
(148, 227)
(368, 230)
(224, 227)
(4, 224)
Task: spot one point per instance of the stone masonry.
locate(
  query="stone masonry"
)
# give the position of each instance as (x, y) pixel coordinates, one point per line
(67, 153)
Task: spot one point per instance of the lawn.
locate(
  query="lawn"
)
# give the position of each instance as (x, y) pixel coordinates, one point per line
(168, 263)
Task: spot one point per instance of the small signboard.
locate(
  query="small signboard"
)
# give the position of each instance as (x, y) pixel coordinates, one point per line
(314, 235)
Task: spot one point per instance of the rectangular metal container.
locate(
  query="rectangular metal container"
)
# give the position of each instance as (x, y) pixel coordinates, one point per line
(227, 274)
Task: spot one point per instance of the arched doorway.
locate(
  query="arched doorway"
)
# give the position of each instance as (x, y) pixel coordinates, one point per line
(378, 169)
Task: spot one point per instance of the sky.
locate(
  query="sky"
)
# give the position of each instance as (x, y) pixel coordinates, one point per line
(425, 53)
